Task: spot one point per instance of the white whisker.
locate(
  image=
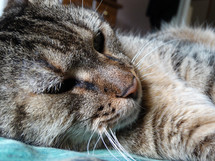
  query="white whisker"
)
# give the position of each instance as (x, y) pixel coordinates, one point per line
(120, 146)
(82, 5)
(141, 68)
(113, 143)
(88, 144)
(99, 5)
(96, 144)
(143, 76)
(107, 147)
(142, 48)
(143, 59)
(146, 45)
(140, 107)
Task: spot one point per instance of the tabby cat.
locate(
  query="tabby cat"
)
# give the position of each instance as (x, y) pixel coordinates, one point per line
(69, 81)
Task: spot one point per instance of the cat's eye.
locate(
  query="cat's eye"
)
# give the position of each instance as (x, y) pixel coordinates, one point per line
(69, 84)
(98, 42)
(66, 85)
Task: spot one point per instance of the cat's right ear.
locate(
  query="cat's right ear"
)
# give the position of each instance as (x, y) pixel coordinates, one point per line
(7, 5)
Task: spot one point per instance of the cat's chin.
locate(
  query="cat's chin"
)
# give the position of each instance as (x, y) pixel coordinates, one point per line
(127, 120)
(131, 112)
(123, 119)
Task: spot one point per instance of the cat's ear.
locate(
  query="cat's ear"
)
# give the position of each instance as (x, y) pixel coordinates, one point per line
(6, 5)
(47, 2)
(53, 2)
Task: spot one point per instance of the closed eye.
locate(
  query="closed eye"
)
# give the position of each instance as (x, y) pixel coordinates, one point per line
(66, 85)
(98, 42)
(70, 84)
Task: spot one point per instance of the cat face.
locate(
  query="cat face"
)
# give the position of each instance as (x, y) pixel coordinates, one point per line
(64, 74)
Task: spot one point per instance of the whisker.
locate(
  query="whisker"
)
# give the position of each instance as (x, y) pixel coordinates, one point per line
(85, 119)
(82, 6)
(139, 106)
(96, 144)
(141, 68)
(143, 76)
(64, 137)
(143, 59)
(99, 5)
(120, 146)
(113, 143)
(142, 48)
(88, 144)
(108, 148)
(160, 35)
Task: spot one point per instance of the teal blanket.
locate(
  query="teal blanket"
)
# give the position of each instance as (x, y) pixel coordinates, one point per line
(11, 150)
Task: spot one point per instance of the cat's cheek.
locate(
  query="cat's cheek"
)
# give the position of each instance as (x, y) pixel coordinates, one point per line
(129, 112)
(121, 113)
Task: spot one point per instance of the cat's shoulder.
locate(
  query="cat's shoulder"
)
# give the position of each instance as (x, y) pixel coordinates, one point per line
(200, 35)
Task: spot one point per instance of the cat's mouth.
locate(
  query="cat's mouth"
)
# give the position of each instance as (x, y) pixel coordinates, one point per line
(124, 117)
(124, 110)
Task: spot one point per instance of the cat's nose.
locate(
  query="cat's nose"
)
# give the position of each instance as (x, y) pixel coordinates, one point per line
(130, 91)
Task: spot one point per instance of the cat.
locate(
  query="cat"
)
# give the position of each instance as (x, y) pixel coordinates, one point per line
(177, 70)
(69, 81)
(63, 76)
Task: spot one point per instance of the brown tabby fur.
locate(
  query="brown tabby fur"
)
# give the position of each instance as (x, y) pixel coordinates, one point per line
(58, 89)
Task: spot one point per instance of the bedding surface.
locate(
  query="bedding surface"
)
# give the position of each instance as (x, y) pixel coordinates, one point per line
(11, 150)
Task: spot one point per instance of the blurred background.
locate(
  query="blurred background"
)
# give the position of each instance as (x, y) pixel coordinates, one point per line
(142, 16)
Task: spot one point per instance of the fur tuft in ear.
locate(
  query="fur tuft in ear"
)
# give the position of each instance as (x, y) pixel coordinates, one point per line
(6, 5)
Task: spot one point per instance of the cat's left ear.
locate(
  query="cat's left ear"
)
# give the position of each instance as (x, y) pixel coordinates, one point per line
(47, 2)
(6, 5)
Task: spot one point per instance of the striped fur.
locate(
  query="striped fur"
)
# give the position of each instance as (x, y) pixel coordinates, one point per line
(60, 89)
(177, 69)
(57, 88)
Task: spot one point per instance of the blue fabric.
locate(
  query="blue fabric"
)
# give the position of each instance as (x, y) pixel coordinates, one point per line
(11, 150)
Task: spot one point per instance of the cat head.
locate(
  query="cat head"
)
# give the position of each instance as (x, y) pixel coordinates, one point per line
(64, 74)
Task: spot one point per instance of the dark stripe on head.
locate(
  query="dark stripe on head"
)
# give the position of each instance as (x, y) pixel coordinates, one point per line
(86, 85)
(44, 26)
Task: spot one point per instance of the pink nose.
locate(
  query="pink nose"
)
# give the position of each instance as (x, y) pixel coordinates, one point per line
(130, 91)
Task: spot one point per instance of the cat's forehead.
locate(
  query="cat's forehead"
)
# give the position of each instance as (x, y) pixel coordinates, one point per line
(85, 17)
(79, 16)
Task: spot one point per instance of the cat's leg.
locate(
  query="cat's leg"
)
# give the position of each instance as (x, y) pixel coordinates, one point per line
(184, 125)
(179, 124)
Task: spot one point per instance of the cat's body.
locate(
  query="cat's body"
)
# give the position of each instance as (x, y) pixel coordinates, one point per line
(65, 83)
(61, 78)
(177, 69)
